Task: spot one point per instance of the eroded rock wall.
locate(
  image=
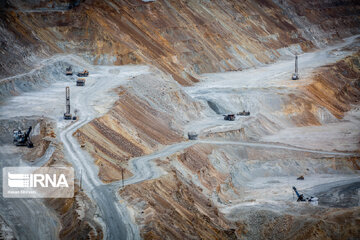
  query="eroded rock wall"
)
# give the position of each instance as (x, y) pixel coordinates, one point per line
(183, 38)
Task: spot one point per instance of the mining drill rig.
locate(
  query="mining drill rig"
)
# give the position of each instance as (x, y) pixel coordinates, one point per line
(295, 75)
(229, 117)
(67, 114)
(22, 138)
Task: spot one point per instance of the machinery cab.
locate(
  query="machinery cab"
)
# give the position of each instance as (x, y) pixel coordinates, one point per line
(229, 117)
(80, 82)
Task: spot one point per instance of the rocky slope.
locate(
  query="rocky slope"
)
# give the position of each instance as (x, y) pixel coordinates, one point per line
(206, 189)
(217, 176)
(183, 38)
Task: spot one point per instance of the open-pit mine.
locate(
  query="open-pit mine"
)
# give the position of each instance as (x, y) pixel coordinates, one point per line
(180, 119)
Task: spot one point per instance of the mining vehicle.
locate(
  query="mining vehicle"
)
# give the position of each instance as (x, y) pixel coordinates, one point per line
(85, 73)
(302, 198)
(295, 75)
(192, 135)
(67, 114)
(243, 113)
(22, 138)
(80, 82)
(69, 71)
(229, 117)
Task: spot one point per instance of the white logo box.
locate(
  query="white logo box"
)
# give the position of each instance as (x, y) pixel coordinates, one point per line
(35, 182)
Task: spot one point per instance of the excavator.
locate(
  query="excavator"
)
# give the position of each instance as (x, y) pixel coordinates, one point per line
(22, 138)
(302, 198)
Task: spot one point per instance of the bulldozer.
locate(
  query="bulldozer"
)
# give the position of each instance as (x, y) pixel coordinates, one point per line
(22, 138)
(80, 82)
(85, 73)
(69, 71)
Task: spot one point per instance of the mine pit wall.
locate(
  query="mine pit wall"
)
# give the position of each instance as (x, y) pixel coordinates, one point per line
(43, 76)
(330, 224)
(76, 215)
(181, 38)
(323, 22)
(211, 175)
(186, 202)
(174, 208)
(332, 91)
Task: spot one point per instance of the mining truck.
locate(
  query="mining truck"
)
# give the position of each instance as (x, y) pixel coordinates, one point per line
(22, 137)
(229, 117)
(243, 113)
(85, 73)
(69, 71)
(80, 82)
(192, 135)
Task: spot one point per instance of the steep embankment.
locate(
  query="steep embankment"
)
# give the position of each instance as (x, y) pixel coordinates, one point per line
(323, 21)
(182, 38)
(150, 113)
(76, 215)
(334, 87)
(195, 199)
(325, 112)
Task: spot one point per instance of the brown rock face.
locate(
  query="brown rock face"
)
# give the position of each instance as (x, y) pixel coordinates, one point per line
(183, 38)
(131, 129)
(177, 209)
